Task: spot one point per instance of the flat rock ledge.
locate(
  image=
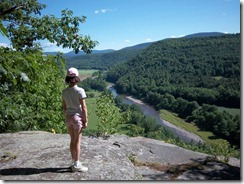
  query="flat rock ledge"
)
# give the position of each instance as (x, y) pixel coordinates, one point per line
(38, 155)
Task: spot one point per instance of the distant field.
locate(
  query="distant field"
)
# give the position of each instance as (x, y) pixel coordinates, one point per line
(230, 110)
(92, 118)
(90, 102)
(86, 73)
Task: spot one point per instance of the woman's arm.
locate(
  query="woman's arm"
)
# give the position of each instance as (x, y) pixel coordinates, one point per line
(84, 112)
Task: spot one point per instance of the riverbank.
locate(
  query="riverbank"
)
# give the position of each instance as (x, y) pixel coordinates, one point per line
(135, 100)
(150, 111)
(188, 136)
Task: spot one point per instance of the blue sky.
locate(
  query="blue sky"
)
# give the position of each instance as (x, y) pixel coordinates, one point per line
(116, 24)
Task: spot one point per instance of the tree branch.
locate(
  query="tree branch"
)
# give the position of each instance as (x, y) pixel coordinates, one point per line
(11, 10)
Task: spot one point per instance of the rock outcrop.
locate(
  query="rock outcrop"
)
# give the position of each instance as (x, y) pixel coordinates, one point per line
(38, 155)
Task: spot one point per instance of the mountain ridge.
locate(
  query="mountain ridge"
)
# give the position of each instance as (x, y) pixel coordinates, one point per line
(140, 45)
(204, 34)
(103, 61)
(72, 53)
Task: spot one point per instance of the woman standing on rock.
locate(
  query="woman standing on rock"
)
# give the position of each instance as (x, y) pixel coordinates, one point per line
(75, 111)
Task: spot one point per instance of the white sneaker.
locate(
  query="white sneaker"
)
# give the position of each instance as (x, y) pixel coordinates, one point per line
(79, 168)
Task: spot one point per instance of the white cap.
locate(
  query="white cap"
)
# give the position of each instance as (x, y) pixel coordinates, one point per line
(72, 72)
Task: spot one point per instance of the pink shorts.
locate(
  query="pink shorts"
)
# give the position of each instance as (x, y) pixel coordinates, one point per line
(74, 121)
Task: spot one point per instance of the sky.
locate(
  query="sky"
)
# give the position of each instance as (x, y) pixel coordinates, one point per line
(116, 24)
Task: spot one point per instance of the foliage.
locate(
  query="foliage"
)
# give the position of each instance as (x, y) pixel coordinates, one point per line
(25, 25)
(107, 113)
(140, 125)
(30, 82)
(103, 61)
(184, 68)
(223, 124)
(30, 88)
(182, 74)
(97, 83)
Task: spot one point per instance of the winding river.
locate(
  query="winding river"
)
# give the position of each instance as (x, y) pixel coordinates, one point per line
(150, 111)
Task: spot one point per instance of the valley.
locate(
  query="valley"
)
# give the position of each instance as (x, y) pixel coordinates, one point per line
(196, 79)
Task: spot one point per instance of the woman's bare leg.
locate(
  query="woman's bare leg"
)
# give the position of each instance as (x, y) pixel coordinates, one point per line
(72, 143)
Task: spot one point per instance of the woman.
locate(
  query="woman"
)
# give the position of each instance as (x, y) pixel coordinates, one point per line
(75, 111)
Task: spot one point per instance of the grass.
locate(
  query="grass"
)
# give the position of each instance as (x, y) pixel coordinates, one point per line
(92, 117)
(90, 102)
(217, 77)
(86, 73)
(207, 136)
(230, 110)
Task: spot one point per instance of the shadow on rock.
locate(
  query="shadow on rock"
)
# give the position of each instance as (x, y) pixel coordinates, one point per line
(208, 170)
(30, 171)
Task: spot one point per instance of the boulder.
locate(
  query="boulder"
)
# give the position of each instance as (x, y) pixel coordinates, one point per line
(38, 155)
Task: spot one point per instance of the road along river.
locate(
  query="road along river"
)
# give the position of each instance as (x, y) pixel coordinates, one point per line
(150, 111)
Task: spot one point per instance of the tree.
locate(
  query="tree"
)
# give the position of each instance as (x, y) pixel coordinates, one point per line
(22, 23)
(108, 114)
(31, 83)
(30, 90)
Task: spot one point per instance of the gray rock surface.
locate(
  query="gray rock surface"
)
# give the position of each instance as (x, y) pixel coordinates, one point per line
(38, 155)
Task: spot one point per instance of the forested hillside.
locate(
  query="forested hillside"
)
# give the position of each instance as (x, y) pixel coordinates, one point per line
(103, 61)
(182, 74)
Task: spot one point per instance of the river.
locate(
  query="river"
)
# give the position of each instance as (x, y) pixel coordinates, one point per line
(150, 111)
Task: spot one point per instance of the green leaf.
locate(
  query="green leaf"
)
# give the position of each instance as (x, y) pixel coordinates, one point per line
(3, 30)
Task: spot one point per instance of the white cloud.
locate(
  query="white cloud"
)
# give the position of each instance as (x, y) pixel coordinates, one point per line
(52, 47)
(148, 39)
(56, 49)
(182, 36)
(4, 45)
(177, 36)
(105, 10)
(48, 45)
(127, 41)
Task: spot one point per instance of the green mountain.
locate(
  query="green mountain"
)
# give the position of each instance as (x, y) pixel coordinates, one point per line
(108, 58)
(103, 61)
(204, 34)
(201, 69)
(190, 77)
(72, 53)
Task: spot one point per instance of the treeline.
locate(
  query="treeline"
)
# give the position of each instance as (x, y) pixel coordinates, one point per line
(141, 125)
(134, 122)
(98, 84)
(104, 61)
(118, 117)
(183, 74)
(30, 88)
